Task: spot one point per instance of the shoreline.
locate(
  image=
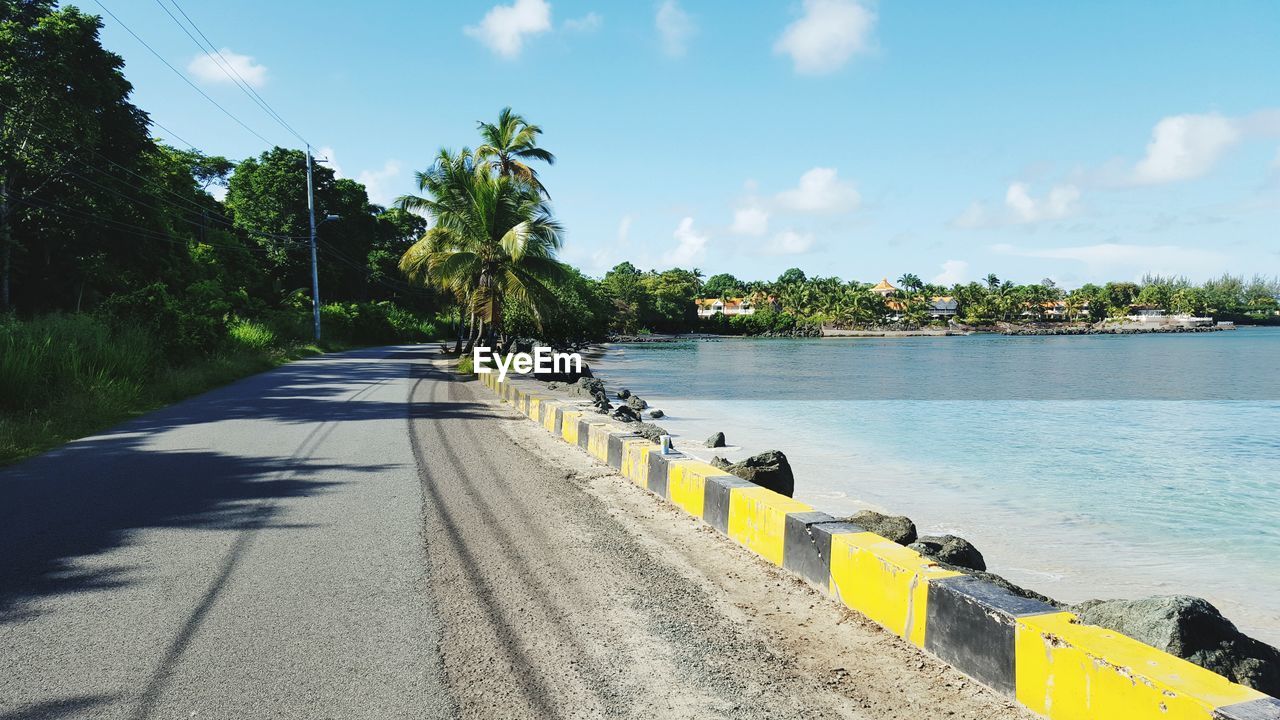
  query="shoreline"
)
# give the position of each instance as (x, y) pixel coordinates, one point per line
(1007, 329)
(590, 432)
(1074, 580)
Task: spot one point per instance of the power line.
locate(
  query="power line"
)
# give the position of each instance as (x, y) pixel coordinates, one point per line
(191, 205)
(220, 60)
(179, 73)
(120, 225)
(173, 134)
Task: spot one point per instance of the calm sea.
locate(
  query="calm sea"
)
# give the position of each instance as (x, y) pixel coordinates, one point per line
(1082, 467)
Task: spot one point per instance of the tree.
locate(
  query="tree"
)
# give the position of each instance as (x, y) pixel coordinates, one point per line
(722, 285)
(911, 282)
(993, 282)
(494, 239)
(63, 102)
(509, 144)
(791, 276)
(673, 293)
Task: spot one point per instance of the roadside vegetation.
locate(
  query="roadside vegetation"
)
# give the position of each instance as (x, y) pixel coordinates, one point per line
(136, 270)
(126, 284)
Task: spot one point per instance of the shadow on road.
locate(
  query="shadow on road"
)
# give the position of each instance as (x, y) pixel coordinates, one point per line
(86, 498)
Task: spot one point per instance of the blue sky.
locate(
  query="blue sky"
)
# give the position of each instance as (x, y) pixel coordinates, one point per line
(1081, 141)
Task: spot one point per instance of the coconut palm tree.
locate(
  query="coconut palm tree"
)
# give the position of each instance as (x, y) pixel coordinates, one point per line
(509, 144)
(493, 239)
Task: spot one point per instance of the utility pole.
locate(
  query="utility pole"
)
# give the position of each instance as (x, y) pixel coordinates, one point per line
(315, 274)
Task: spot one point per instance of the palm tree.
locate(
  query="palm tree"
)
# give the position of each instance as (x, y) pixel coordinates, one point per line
(493, 239)
(993, 282)
(911, 282)
(508, 144)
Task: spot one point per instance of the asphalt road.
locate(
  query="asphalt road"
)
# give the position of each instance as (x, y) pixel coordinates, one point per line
(252, 552)
(363, 536)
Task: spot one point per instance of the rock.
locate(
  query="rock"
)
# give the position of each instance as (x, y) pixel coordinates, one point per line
(602, 404)
(897, 528)
(636, 403)
(1193, 629)
(1000, 581)
(586, 387)
(769, 469)
(553, 385)
(649, 431)
(625, 414)
(565, 377)
(951, 550)
(623, 394)
(715, 441)
(656, 414)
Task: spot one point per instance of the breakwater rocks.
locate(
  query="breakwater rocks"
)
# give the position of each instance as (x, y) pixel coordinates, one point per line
(1048, 658)
(1117, 330)
(1190, 628)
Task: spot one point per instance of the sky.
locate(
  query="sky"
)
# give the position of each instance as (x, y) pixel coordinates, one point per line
(1083, 141)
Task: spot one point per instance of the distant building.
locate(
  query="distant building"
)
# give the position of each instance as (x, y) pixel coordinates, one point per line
(883, 288)
(1058, 310)
(1155, 315)
(709, 307)
(940, 307)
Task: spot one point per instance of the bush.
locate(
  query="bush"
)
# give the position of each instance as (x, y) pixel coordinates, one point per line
(183, 328)
(56, 356)
(378, 323)
(251, 335)
(466, 365)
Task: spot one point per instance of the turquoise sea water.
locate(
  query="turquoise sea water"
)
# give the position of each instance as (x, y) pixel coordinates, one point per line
(1093, 466)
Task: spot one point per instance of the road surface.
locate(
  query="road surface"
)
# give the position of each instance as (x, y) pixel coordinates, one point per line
(361, 536)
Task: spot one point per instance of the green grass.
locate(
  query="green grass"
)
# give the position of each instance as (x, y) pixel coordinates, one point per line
(466, 365)
(67, 376)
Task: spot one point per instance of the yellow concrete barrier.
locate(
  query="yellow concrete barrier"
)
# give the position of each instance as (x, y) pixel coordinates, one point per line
(758, 520)
(884, 581)
(1066, 670)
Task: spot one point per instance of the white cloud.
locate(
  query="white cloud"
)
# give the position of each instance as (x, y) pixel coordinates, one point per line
(504, 28)
(588, 23)
(327, 156)
(1058, 204)
(624, 231)
(1021, 208)
(827, 35)
(379, 182)
(210, 68)
(789, 242)
(1117, 259)
(953, 271)
(820, 190)
(1183, 147)
(675, 27)
(750, 221)
(974, 216)
(690, 247)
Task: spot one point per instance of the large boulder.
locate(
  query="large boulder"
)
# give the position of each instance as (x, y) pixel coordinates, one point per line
(951, 550)
(637, 403)
(623, 394)
(649, 431)
(602, 404)
(715, 441)
(897, 528)
(656, 414)
(625, 414)
(769, 469)
(1193, 629)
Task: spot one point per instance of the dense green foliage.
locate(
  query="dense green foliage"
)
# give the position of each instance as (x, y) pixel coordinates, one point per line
(125, 282)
